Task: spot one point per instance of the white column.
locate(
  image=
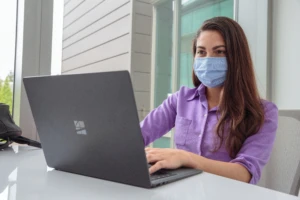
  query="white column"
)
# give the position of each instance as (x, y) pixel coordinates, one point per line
(57, 36)
(34, 43)
(254, 18)
(285, 54)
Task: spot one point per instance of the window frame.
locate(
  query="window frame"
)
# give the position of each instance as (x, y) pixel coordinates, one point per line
(175, 52)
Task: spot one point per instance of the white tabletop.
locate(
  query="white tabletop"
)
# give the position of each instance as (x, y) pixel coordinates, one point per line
(24, 175)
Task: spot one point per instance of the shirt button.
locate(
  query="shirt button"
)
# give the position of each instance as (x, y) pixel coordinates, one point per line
(205, 115)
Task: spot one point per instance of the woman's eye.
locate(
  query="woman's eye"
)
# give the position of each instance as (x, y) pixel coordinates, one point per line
(201, 52)
(220, 52)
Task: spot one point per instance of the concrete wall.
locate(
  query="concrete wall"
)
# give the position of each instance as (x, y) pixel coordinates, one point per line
(96, 36)
(107, 35)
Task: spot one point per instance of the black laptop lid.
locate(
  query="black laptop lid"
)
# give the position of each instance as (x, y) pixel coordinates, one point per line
(88, 124)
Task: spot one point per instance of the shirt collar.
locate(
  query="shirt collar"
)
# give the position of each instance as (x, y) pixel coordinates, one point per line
(200, 91)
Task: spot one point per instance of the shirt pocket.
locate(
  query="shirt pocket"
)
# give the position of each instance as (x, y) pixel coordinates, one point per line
(181, 130)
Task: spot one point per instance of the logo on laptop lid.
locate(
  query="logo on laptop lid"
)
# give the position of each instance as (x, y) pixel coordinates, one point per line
(80, 128)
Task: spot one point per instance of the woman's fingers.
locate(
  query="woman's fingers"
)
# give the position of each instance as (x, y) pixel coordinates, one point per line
(163, 158)
(152, 150)
(157, 166)
(152, 158)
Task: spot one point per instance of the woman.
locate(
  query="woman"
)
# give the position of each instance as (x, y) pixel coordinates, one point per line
(221, 126)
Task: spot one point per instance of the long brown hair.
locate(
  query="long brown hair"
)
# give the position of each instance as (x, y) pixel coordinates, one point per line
(240, 110)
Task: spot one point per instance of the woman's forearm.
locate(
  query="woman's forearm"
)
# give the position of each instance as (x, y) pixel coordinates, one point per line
(229, 170)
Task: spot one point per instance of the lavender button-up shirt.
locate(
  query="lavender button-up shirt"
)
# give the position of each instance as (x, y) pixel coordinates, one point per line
(187, 110)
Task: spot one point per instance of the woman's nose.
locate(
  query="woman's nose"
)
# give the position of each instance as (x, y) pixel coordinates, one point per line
(209, 54)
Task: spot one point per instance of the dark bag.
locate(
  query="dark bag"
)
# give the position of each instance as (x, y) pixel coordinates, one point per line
(10, 132)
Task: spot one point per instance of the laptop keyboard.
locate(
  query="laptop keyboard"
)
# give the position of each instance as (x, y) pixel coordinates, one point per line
(161, 174)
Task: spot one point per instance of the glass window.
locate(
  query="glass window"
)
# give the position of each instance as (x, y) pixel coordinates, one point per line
(191, 14)
(8, 17)
(163, 58)
(163, 53)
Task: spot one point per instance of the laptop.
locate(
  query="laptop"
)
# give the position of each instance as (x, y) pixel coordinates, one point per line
(88, 124)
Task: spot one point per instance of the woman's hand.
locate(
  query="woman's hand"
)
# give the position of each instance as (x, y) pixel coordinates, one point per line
(175, 158)
(165, 158)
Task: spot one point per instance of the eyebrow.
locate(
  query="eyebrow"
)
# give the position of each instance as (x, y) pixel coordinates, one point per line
(214, 48)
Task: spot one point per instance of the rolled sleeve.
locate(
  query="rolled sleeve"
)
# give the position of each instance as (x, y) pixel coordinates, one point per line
(256, 150)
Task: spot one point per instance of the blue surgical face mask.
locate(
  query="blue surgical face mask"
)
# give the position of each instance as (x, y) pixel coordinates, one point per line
(211, 71)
